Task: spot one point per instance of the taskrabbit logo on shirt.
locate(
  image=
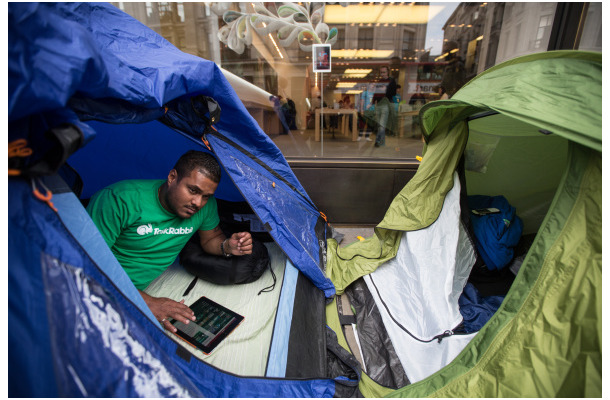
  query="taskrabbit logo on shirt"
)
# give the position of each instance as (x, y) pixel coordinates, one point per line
(144, 229)
(173, 231)
(148, 229)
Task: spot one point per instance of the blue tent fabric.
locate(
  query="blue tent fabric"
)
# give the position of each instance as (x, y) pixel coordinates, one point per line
(128, 92)
(496, 234)
(51, 336)
(129, 75)
(266, 194)
(82, 228)
(86, 337)
(116, 75)
(120, 146)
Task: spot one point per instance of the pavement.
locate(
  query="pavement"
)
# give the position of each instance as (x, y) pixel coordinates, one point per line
(351, 233)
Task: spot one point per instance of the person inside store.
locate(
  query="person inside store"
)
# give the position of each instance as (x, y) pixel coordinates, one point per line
(278, 107)
(442, 92)
(418, 99)
(346, 104)
(366, 112)
(316, 102)
(290, 113)
(385, 114)
(146, 223)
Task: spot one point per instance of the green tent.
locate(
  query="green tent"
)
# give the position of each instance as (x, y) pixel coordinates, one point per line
(528, 129)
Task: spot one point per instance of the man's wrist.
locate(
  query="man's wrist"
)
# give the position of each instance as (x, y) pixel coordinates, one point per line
(224, 248)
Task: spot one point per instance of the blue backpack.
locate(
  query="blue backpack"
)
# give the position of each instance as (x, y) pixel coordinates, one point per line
(497, 229)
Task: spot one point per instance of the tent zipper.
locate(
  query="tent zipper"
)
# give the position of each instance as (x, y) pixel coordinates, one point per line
(443, 335)
(439, 337)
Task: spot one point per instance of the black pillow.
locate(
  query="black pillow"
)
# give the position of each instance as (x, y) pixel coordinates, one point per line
(221, 270)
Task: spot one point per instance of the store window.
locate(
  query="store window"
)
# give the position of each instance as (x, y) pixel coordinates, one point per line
(591, 36)
(408, 45)
(420, 47)
(366, 36)
(544, 29)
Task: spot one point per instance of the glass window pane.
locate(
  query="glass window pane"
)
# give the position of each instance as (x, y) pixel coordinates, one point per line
(387, 60)
(591, 38)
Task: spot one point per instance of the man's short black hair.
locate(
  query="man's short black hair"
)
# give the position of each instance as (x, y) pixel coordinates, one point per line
(204, 162)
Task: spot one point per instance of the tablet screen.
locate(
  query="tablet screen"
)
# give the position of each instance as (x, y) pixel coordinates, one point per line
(212, 324)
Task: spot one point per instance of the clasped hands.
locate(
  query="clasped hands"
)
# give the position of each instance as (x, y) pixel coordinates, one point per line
(239, 244)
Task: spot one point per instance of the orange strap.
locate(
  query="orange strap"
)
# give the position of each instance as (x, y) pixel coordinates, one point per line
(44, 198)
(205, 141)
(17, 148)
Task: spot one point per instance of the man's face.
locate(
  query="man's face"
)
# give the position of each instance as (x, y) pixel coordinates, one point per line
(384, 73)
(186, 196)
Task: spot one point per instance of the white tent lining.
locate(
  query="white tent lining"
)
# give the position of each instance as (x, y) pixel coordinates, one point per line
(417, 292)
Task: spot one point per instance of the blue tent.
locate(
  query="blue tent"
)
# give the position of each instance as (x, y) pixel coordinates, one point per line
(92, 86)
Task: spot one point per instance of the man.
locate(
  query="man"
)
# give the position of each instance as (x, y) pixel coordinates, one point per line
(146, 223)
(366, 112)
(383, 105)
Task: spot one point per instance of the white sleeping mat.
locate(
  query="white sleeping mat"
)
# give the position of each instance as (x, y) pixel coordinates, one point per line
(245, 351)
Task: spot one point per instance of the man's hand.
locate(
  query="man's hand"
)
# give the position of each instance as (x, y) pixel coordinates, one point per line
(165, 309)
(239, 244)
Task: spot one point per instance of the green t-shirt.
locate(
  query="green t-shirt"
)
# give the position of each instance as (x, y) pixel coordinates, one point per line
(144, 237)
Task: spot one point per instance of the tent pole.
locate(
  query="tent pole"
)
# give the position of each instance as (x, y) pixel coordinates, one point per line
(322, 114)
(481, 115)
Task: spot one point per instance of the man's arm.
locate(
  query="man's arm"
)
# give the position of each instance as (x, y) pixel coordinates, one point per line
(238, 244)
(110, 215)
(165, 309)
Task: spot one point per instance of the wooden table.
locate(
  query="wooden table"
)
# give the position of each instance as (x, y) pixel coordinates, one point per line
(345, 112)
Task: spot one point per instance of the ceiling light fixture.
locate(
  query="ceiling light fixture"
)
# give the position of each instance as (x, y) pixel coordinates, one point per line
(346, 84)
(358, 71)
(276, 47)
(370, 53)
(380, 13)
(441, 57)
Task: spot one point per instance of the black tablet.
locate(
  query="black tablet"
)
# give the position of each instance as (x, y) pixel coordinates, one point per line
(213, 323)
